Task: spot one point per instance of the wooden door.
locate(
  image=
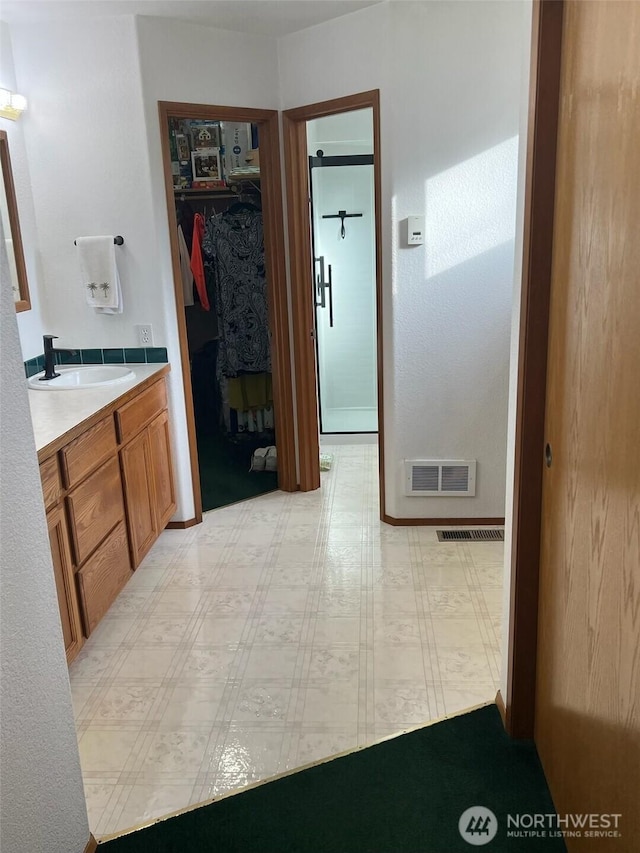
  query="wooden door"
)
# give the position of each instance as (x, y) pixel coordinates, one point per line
(65, 581)
(164, 489)
(138, 488)
(588, 680)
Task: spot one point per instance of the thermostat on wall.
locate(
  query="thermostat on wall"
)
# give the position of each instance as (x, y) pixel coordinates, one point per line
(415, 230)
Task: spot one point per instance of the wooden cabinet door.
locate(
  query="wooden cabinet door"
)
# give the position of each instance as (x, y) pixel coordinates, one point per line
(103, 576)
(65, 582)
(95, 507)
(137, 475)
(164, 488)
(588, 673)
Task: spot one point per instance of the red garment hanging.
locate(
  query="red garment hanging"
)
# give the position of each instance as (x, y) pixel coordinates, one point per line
(197, 266)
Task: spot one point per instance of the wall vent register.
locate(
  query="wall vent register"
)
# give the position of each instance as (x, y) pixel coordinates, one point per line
(440, 477)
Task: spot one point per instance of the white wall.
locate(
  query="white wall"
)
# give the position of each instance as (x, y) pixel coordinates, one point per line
(30, 323)
(42, 807)
(208, 66)
(449, 79)
(89, 168)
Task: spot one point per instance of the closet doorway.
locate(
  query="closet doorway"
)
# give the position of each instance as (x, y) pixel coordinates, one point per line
(222, 182)
(333, 195)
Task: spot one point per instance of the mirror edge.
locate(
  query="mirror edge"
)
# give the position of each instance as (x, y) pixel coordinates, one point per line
(24, 303)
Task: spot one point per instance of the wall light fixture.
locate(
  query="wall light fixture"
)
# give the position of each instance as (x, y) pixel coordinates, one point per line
(11, 105)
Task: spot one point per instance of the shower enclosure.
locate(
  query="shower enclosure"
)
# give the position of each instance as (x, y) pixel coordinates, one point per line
(343, 242)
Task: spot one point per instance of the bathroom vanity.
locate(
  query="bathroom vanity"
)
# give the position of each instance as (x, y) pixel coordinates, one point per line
(108, 486)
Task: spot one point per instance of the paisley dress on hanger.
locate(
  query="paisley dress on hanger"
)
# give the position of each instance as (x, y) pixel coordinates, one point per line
(234, 245)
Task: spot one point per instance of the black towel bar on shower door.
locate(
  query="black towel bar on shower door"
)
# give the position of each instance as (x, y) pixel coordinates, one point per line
(341, 215)
(118, 241)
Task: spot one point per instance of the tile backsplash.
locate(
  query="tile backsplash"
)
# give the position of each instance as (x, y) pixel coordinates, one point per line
(112, 355)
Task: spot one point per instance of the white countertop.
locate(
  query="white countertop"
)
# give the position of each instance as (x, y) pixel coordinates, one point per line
(53, 413)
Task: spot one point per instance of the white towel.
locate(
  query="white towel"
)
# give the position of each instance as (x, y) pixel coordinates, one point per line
(99, 274)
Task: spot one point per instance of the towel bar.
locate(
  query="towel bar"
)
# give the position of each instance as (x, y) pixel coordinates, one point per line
(119, 241)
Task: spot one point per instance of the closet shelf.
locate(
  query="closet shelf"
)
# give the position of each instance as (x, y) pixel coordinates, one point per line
(222, 192)
(204, 194)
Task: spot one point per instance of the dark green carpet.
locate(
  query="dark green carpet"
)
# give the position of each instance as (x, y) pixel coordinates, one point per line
(224, 471)
(405, 795)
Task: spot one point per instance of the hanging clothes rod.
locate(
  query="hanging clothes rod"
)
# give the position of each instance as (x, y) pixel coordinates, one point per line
(205, 196)
(118, 241)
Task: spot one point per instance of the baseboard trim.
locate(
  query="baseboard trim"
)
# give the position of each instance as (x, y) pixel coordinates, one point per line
(91, 845)
(443, 522)
(501, 708)
(181, 525)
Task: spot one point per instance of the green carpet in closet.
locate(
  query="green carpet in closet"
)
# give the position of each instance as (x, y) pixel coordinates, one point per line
(224, 471)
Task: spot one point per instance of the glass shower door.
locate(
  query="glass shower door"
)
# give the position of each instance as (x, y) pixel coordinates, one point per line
(343, 225)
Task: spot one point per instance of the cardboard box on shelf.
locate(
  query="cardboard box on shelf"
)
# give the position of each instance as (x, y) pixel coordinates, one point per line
(236, 138)
(205, 134)
(206, 165)
(182, 145)
(253, 157)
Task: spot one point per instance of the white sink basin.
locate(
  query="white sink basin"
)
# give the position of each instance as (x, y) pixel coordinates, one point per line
(77, 378)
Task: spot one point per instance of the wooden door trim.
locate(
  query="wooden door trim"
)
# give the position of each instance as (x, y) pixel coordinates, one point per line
(181, 525)
(271, 184)
(295, 146)
(544, 95)
(297, 181)
(6, 174)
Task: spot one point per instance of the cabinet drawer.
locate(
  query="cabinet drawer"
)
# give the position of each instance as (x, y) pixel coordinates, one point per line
(136, 414)
(88, 451)
(95, 507)
(51, 485)
(103, 576)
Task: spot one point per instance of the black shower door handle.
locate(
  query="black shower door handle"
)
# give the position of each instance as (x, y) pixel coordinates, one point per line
(330, 286)
(321, 284)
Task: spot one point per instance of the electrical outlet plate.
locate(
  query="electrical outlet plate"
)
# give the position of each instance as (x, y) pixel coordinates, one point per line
(145, 335)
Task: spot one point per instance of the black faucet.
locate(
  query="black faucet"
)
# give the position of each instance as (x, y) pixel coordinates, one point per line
(50, 357)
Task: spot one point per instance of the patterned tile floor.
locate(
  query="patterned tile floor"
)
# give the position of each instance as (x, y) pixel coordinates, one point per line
(281, 630)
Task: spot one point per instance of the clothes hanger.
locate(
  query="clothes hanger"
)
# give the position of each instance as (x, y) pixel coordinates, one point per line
(242, 207)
